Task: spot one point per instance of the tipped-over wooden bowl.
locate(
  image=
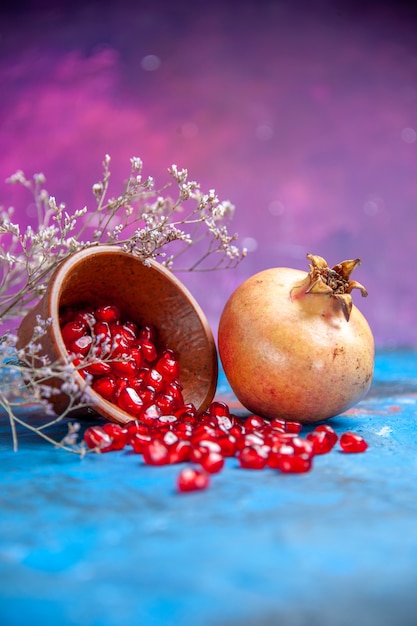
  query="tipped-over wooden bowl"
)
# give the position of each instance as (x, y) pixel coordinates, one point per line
(146, 294)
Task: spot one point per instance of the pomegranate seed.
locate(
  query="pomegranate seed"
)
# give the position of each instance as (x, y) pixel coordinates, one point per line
(249, 440)
(302, 446)
(351, 442)
(118, 435)
(253, 422)
(139, 441)
(329, 430)
(180, 451)
(204, 431)
(322, 441)
(125, 368)
(223, 422)
(186, 414)
(197, 453)
(105, 387)
(293, 427)
(150, 414)
(174, 389)
(227, 445)
(120, 346)
(156, 453)
(148, 350)
(277, 438)
(82, 345)
(122, 383)
(295, 463)
(97, 438)
(183, 430)
(191, 479)
(130, 401)
(87, 317)
(219, 409)
(72, 331)
(212, 462)
(168, 366)
(136, 426)
(98, 368)
(107, 313)
(132, 328)
(123, 337)
(101, 332)
(136, 355)
(210, 445)
(169, 438)
(236, 430)
(276, 454)
(277, 424)
(148, 333)
(154, 379)
(147, 394)
(165, 403)
(252, 457)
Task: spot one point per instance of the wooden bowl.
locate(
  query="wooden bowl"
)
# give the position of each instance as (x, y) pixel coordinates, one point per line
(146, 294)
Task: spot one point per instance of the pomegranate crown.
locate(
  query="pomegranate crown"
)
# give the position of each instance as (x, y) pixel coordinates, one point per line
(334, 281)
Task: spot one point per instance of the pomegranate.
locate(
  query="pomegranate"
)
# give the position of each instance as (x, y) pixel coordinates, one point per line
(294, 346)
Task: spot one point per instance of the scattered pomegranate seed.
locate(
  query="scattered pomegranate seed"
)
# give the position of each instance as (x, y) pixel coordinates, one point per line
(351, 442)
(156, 452)
(227, 445)
(251, 457)
(254, 422)
(295, 463)
(191, 479)
(212, 462)
(322, 441)
(278, 424)
(329, 430)
(96, 438)
(139, 441)
(180, 451)
(293, 427)
(118, 434)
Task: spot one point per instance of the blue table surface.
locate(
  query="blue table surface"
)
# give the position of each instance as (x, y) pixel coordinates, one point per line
(107, 541)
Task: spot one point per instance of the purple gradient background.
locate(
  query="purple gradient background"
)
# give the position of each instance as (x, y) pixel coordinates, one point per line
(305, 118)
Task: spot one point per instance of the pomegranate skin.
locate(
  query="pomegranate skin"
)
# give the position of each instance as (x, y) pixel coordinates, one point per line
(290, 354)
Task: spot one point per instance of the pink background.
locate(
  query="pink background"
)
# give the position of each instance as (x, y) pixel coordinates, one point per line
(306, 119)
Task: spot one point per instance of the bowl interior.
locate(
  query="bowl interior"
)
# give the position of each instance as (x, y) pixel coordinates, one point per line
(144, 294)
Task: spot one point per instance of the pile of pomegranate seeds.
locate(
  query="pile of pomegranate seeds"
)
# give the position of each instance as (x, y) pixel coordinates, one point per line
(123, 361)
(127, 368)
